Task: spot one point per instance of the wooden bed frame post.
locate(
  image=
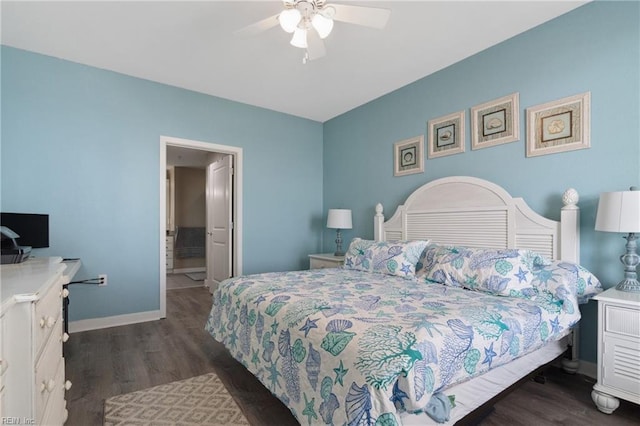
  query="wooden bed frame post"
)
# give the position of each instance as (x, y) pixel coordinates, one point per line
(570, 251)
(378, 223)
(570, 227)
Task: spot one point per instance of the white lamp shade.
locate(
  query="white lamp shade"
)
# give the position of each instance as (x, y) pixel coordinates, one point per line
(339, 219)
(299, 38)
(289, 19)
(322, 25)
(619, 212)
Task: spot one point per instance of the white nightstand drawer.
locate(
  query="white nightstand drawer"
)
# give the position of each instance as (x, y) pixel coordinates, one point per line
(325, 260)
(621, 364)
(320, 264)
(621, 320)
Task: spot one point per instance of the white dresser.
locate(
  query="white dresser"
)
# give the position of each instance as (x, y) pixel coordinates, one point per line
(31, 341)
(618, 349)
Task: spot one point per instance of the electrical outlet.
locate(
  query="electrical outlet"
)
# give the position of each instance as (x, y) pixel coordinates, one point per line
(103, 279)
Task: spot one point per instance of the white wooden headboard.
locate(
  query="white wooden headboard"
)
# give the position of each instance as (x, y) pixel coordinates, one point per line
(472, 212)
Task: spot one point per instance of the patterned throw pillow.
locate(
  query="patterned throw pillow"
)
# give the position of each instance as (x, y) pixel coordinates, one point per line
(560, 277)
(509, 272)
(385, 257)
(494, 271)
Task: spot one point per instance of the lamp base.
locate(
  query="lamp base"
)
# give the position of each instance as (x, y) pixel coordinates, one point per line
(629, 285)
(630, 261)
(339, 251)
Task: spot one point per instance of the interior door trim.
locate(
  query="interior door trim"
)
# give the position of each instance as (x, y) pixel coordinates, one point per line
(237, 153)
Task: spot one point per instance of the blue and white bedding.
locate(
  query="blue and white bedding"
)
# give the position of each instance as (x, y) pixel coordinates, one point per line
(349, 346)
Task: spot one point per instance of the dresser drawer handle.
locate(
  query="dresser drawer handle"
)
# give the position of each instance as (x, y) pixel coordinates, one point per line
(67, 385)
(47, 385)
(48, 322)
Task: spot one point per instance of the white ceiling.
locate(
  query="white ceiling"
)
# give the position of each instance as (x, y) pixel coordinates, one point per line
(192, 45)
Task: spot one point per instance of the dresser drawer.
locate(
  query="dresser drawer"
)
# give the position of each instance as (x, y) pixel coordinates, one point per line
(621, 320)
(54, 411)
(46, 370)
(47, 313)
(169, 243)
(1, 400)
(3, 359)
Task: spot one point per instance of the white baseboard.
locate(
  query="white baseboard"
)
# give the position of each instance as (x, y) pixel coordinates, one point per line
(189, 270)
(113, 321)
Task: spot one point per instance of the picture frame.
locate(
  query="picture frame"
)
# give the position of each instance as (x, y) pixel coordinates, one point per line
(496, 122)
(408, 156)
(559, 126)
(446, 135)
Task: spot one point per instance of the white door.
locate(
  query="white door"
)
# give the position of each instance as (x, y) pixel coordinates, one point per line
(219, 221)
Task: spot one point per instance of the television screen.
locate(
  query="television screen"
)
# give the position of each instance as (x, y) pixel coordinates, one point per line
(32, 228)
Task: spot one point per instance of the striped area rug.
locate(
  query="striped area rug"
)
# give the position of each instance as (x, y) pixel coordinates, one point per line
(201, 400)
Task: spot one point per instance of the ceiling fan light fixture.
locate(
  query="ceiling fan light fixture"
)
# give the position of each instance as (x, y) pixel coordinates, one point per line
(299, 38)
(322, 25)
(289, 19)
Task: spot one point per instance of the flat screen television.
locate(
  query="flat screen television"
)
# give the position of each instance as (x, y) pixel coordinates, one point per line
(32, 228)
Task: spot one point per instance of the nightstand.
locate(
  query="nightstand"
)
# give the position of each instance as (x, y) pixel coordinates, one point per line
(618, 349)
(325, 260)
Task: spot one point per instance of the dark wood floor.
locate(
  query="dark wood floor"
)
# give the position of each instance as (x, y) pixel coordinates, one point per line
(108, 362)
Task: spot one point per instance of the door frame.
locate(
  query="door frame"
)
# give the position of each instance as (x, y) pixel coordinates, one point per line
(237, 204)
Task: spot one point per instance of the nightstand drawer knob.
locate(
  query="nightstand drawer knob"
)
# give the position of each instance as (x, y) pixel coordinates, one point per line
(65, 337)
(67, 385)
(65, 292)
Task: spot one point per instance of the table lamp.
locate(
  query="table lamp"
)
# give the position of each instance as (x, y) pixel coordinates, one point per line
(339, 219)
(620, 212)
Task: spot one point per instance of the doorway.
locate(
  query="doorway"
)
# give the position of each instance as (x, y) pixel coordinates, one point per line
(211, 152)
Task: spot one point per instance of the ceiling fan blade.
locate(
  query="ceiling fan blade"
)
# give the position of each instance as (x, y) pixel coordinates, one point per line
(258, 27)
(374, 17)
(315, 45)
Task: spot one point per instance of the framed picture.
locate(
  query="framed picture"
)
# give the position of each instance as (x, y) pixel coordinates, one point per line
(495, 122)
(446, 135)
(408, 157)
(558, 126)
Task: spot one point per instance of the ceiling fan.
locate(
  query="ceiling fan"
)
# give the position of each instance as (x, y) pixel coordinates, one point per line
(310, 21)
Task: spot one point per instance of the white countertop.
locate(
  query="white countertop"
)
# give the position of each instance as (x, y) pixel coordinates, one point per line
(21, 282)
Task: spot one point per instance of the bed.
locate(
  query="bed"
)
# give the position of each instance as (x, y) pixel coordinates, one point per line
(463, 292)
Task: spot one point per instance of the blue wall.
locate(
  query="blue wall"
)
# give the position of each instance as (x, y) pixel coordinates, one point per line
(83, 145)
(593, 48)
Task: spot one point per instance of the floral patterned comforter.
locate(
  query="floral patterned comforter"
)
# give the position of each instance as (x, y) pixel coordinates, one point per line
(341, 346)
